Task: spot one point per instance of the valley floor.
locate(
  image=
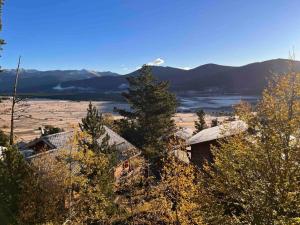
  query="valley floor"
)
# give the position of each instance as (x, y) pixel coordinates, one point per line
(64, 114)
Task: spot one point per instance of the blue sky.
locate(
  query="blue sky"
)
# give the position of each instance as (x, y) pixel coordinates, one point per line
(121, 35)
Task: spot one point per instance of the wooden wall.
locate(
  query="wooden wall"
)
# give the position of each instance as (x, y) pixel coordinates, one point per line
(201, 152)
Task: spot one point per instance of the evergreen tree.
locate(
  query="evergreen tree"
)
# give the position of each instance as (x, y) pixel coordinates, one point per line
(93, 125)
(96, 159)
(127, 129)
(149, 120)
(200, 124)
(49, 129)
(214, 122)
(94, 188)
(13, 172)
(93, 201)
(255, 178)
(4, 139)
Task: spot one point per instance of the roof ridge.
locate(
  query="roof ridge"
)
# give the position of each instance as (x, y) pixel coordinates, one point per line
(215, 132)
(50, 135)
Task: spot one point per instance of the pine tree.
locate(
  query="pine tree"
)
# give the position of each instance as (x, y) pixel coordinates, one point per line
(149, 120)
(214, 122)
(4, 139)
(93, 125)
(94, 188)
(200, 124)
(95, 159)
(255, 178)
(93, 201)
(49, 129)
(13, 172)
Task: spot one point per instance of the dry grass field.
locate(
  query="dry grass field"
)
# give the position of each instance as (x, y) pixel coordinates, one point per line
(33, 114)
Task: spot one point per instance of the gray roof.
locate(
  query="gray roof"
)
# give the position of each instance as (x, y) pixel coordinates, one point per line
(60, 141)
(217, 132)
(115, 139)
(184, 133)
(123, 147)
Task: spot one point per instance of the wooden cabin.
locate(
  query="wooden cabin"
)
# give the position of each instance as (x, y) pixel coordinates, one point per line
(202, 142)
(51, 144)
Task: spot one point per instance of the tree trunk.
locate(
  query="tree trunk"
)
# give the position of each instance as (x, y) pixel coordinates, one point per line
(14, 100)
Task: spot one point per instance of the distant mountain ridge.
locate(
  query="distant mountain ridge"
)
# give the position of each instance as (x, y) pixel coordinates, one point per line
(205, 79)
(32, 79)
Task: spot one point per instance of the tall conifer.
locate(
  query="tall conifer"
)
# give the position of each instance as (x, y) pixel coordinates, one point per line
(200, 124)
(93, 126)
(149, 119)
(13, 171)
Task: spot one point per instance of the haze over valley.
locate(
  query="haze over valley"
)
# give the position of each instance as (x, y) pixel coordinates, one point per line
(209, 86)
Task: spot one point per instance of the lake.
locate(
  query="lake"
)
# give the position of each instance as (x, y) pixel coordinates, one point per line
(191, 104)
(213, 103)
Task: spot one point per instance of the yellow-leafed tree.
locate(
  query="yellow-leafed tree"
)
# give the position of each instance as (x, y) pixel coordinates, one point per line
(171, 200)
(92, 184)
(255, 178)
(177, 192)
(44, 191)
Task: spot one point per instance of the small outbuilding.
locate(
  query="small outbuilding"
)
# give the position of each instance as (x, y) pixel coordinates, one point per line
(202, 142)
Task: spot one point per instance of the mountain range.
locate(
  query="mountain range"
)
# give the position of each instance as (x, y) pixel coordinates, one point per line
(203, 80)
(34, 80)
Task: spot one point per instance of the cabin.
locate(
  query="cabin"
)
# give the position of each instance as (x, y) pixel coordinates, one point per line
(202, 142)
(51, 144)
(48, 143)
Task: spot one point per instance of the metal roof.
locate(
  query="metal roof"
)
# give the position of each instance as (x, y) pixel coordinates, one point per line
(124, 148)
(217, 132)
(58, 140)
(61, 140)
(117, 140)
